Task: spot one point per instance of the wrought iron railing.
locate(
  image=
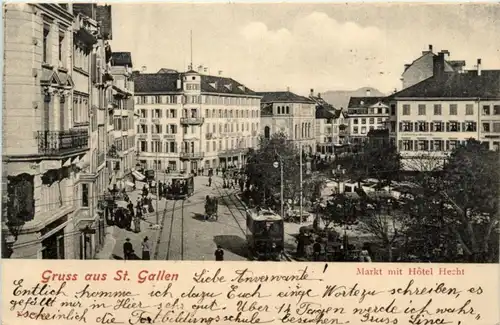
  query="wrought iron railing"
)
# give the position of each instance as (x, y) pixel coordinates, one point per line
(192, 155)
(192, 120)
(62, 142)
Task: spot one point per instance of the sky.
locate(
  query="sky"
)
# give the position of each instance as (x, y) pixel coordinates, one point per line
(275, 47)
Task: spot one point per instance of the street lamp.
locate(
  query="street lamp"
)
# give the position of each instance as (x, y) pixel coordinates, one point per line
(279, 164)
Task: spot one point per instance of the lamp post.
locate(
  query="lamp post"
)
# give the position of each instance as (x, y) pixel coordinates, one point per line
(279, 164)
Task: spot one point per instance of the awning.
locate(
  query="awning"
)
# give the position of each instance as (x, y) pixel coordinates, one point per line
(84, 162)
(138, 175)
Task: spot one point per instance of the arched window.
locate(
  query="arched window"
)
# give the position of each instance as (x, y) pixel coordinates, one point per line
(288, 110)
(278, 110)
(267, 132)
(296, 133)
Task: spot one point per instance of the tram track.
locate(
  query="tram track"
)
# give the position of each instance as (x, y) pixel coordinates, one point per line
(170, 239)
(223, 197)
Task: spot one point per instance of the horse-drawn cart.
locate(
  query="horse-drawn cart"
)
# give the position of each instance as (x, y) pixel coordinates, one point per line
(211, 209)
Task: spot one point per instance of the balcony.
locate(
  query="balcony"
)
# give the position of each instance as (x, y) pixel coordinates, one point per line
(192, 155)
(192, 120)
(209, 136)
(63, 143)
(232, 152)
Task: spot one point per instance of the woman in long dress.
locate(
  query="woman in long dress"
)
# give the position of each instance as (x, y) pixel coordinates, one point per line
(137, 224)
(146, 249)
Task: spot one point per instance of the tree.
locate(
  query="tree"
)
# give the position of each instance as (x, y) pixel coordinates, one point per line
(380, 160)
(264, 177)
(471, 179)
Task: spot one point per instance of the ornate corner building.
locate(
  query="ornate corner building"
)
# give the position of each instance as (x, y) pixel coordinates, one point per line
(54, 129)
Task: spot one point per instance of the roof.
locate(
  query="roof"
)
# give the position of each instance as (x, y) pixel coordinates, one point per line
(456, 85)
(323, 113)
(283, 97)
(264, 215)
(364, 102)
(167, 82)
(121, 59)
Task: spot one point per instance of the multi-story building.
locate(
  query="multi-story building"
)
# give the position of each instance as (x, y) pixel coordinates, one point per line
(291, 114)
(190, 120)
(437, 114)
(330, 126)
(91, 78)
(121, 154)
(45, 135)
(422, 67)
(365, 114)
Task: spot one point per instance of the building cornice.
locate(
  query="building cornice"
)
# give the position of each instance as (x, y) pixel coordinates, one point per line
(56, 12)
(445, 98)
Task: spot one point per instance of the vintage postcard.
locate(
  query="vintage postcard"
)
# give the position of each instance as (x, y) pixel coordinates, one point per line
(216, 163)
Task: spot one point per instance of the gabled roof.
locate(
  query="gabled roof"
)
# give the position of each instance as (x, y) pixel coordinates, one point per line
(283, 97)
(323, 113)
(167, 83)
(364, 102)
(456, 85)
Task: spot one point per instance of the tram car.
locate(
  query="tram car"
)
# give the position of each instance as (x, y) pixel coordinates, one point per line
(180, 187)
(265, 234)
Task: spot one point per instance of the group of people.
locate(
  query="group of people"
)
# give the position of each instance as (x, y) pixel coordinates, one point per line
(129, 253)
(211, 204)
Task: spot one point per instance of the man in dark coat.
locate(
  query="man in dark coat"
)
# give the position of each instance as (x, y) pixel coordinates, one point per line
(128, 250)
(219, 254)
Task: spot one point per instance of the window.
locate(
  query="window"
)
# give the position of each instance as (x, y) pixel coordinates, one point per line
(143, 113)
(496, 146)
(142, 128)
(437, 109)
(393, 109)
(363, 121)
(355, 130)
(422, 126)
(207, 113)
(157, 113)
(422, 145)
(85, 195)
(438, 126)
(172, 113)
(486, 109)
(371, 120)
(453, 127)
(469, 109)
(46, 44)
(496, 127)
(407, 127)
(407, 145)
(452, 145)
(438, 145)
(421, 109)
(288, 110)
(496, 110)
(380, 111)
(406, 109)
(155, 146)
(61, 49)
(363, 130)
(355, 121)
(486, 127)
(470, 127)
(184, 130)
(453, 109)
(379, 120)
(156, 129)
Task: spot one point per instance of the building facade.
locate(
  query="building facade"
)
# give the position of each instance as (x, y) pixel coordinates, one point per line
(330, 126)
(366, 114)
(422, 67)
(436, 115)
(121, 153)
(291, 114)
(44, 139)
(188, 121)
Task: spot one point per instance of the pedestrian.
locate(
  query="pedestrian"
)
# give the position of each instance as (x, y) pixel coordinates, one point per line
(128, 249)
(317, 249)
(144, 191)
(160, 190)
(137, 224)
(202, 171)
(146, 249)
(364, 256)
(210, 181)
(219, 254)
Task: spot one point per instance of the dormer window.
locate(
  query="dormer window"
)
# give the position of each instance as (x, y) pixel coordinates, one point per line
(213, 85)
(362, 103)
(229, 86)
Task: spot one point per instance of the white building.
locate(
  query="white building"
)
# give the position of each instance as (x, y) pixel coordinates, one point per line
(436, 115)
(294, 115)
(190, 120)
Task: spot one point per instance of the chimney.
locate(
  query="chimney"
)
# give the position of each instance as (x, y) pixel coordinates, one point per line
(430, 47)
(438, 64)
(179, 85)
(478, 67)
(446, 54)
(311, 93)
(368, 93)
